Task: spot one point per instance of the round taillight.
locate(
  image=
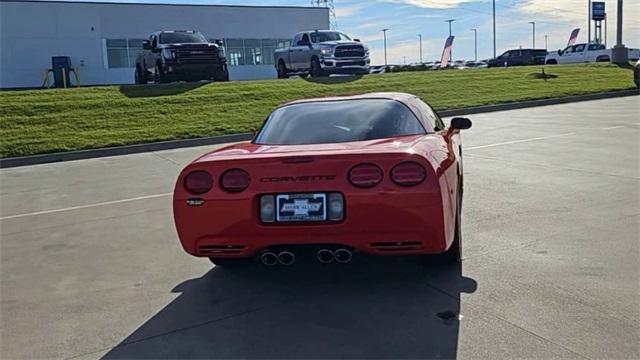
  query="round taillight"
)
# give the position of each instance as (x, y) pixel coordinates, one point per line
(408, 173)
(235, 180)
(198, 182)
(365, 175)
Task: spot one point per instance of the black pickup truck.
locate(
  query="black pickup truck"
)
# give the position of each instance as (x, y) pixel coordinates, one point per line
(180, 56)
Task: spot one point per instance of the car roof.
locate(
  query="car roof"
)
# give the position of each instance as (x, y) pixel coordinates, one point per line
(398, 96)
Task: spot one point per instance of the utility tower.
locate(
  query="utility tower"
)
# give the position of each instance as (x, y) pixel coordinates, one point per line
(332, 11)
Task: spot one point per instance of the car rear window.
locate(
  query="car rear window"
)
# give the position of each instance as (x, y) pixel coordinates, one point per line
(338, 121)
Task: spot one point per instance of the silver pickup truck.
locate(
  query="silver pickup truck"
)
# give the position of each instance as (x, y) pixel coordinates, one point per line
(322, 53)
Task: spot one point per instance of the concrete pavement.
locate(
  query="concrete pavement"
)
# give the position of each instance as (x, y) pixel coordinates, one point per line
(90, 265)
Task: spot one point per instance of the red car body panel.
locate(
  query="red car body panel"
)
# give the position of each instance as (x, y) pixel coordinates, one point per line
(387, 219)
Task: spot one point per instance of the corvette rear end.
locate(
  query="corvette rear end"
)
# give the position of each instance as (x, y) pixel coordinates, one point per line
(266, 200)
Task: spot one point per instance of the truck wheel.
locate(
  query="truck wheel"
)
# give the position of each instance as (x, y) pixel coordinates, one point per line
(603, 59)
(282, 71)
(551, 62)
(140, 76)
(221, 75)
(159, 77)
(316, 70)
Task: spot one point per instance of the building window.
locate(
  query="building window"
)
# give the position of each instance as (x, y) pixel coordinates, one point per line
(252, 51)
(122, 53)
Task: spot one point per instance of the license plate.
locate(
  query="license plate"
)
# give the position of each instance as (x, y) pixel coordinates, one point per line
(301, 207)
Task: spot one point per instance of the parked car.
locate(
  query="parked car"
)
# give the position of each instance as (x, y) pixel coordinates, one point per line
(580, 53)
(180, 56)
(519, 57)
(322, 53)
(378, 173)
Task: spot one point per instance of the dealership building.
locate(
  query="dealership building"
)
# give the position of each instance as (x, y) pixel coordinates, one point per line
(103, 38)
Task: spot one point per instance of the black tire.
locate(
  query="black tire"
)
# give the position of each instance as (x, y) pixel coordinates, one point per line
(603, 59)
(221, 75)
(231, 263)
(315, 70)
(159, 77)
(140, 76)
(551, 62)
(282, 70)
(454, 254)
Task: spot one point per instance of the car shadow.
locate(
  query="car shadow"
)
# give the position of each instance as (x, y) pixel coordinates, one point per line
(371, 308)
(154, 90)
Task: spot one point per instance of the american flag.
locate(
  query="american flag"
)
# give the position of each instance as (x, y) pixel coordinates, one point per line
(446, 52)
(573, 37)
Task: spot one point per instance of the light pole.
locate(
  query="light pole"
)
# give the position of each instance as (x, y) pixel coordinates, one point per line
(384, 34)
(534, 33)
(494, 29)
(450, 21)
(420, 37)
(589, 23)
(619, 53)
(545, 42)
(475, 41)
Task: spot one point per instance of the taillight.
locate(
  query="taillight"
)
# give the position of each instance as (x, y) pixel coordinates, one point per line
(408, 173)
(235, 180)
(365, 175)
(198, 182)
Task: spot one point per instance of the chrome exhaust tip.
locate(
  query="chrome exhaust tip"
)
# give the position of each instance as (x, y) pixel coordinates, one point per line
(286, 258)
(269, 259)
(325, 256)
(343, 256)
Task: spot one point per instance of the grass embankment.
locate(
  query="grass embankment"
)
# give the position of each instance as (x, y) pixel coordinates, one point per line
(42, 121)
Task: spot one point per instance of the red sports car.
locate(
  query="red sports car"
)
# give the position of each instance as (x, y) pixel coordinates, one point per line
(377, 173)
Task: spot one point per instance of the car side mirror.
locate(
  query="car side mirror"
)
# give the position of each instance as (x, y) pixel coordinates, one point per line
(460, 123)
(559, 52)
(356, 40)
(146, 45)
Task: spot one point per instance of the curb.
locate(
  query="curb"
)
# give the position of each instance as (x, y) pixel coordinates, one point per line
(212, 140)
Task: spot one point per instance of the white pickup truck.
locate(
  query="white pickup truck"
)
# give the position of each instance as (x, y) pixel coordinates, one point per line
(580, 53)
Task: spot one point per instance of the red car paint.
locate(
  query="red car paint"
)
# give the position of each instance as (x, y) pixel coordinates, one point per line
(387, 219)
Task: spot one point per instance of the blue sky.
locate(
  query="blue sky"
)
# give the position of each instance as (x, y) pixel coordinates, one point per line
(408, 18)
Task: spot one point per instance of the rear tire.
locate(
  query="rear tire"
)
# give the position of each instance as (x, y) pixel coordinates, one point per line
(454, 254)
(282, 70)
(140, 76)
(552, 62)
(603, 59)
(231, 263)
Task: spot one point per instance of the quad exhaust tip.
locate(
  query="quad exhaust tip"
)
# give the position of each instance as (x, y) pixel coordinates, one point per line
(269, 259)
(325, 256)
(343, 256)
(286, 258)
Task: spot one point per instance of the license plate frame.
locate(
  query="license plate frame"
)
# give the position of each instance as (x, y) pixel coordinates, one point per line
(301, 207)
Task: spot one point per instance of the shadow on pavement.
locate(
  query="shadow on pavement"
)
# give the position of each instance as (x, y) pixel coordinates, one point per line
(371, 308)
(153, 90)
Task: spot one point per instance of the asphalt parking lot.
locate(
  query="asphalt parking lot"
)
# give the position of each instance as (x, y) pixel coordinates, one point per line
(91, 266)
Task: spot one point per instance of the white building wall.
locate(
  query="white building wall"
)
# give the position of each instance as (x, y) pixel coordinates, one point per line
(31, 32)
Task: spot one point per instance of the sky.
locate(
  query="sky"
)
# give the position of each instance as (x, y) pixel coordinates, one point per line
(405, 19)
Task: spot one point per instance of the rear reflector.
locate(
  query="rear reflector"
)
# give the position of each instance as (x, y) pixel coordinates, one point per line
(408, 173)
(365, 175)
(198, 182)
(235, 180)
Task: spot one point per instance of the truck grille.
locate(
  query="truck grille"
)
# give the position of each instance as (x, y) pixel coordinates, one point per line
(349, 51)
(197, 55)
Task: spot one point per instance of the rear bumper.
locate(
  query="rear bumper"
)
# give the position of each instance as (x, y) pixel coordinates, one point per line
(377, 223)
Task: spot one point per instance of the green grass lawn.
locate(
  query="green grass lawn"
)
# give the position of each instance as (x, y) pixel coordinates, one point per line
(43, 121)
